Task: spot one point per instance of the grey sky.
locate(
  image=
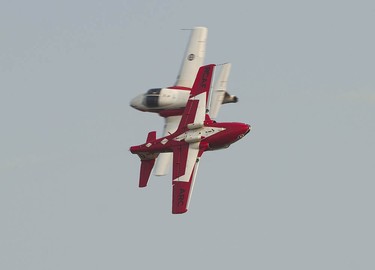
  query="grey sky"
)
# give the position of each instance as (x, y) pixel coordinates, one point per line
(296, 193)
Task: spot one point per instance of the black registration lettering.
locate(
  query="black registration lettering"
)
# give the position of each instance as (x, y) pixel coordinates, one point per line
(181, 196)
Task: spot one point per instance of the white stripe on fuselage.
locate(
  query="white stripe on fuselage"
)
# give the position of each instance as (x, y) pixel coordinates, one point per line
(203, 131)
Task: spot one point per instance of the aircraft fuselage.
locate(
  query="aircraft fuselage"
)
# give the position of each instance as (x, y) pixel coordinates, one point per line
(159, 100)
(211, 135)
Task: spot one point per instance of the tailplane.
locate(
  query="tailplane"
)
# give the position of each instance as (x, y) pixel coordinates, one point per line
(145, 172)
(147, 161)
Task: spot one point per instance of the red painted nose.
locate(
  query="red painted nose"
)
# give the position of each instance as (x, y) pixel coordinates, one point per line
(248, 128)
(243, 130)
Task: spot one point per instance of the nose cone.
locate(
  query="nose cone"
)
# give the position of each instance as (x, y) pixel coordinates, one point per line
(243, 129)
(137, 102)
(246, 128)
(232, 132)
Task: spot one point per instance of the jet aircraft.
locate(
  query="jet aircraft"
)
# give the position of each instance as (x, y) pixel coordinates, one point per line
(195, 134)
(169, 102)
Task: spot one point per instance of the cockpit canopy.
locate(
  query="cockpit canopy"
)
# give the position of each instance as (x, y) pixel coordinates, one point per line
(152, 98)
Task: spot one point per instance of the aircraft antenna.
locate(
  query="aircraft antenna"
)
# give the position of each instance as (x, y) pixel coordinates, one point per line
(222, 64)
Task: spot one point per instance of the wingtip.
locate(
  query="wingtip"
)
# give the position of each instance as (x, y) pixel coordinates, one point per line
(175, 212)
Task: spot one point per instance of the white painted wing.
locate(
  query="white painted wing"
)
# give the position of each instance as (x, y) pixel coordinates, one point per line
(185, 166)
(164, 159)
(194, 57)
(193, 180)
(220, 88)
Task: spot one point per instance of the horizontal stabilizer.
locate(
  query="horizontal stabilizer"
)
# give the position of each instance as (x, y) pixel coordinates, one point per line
(144, 174)
(147, 161)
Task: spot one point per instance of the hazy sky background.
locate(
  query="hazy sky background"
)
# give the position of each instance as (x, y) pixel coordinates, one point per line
(296, 193)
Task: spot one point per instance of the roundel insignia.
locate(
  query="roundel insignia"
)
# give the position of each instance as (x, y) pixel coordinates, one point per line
(191, 57)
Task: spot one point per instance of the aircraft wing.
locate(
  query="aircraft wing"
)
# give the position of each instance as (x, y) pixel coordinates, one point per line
(192, 61)
(194, 57)
(194, 113)
(185, 167)
(219, 90)
(164, 159)
(186, 155)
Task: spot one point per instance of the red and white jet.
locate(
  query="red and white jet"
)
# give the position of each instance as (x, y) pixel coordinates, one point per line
(169, 102)
(195, 134)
